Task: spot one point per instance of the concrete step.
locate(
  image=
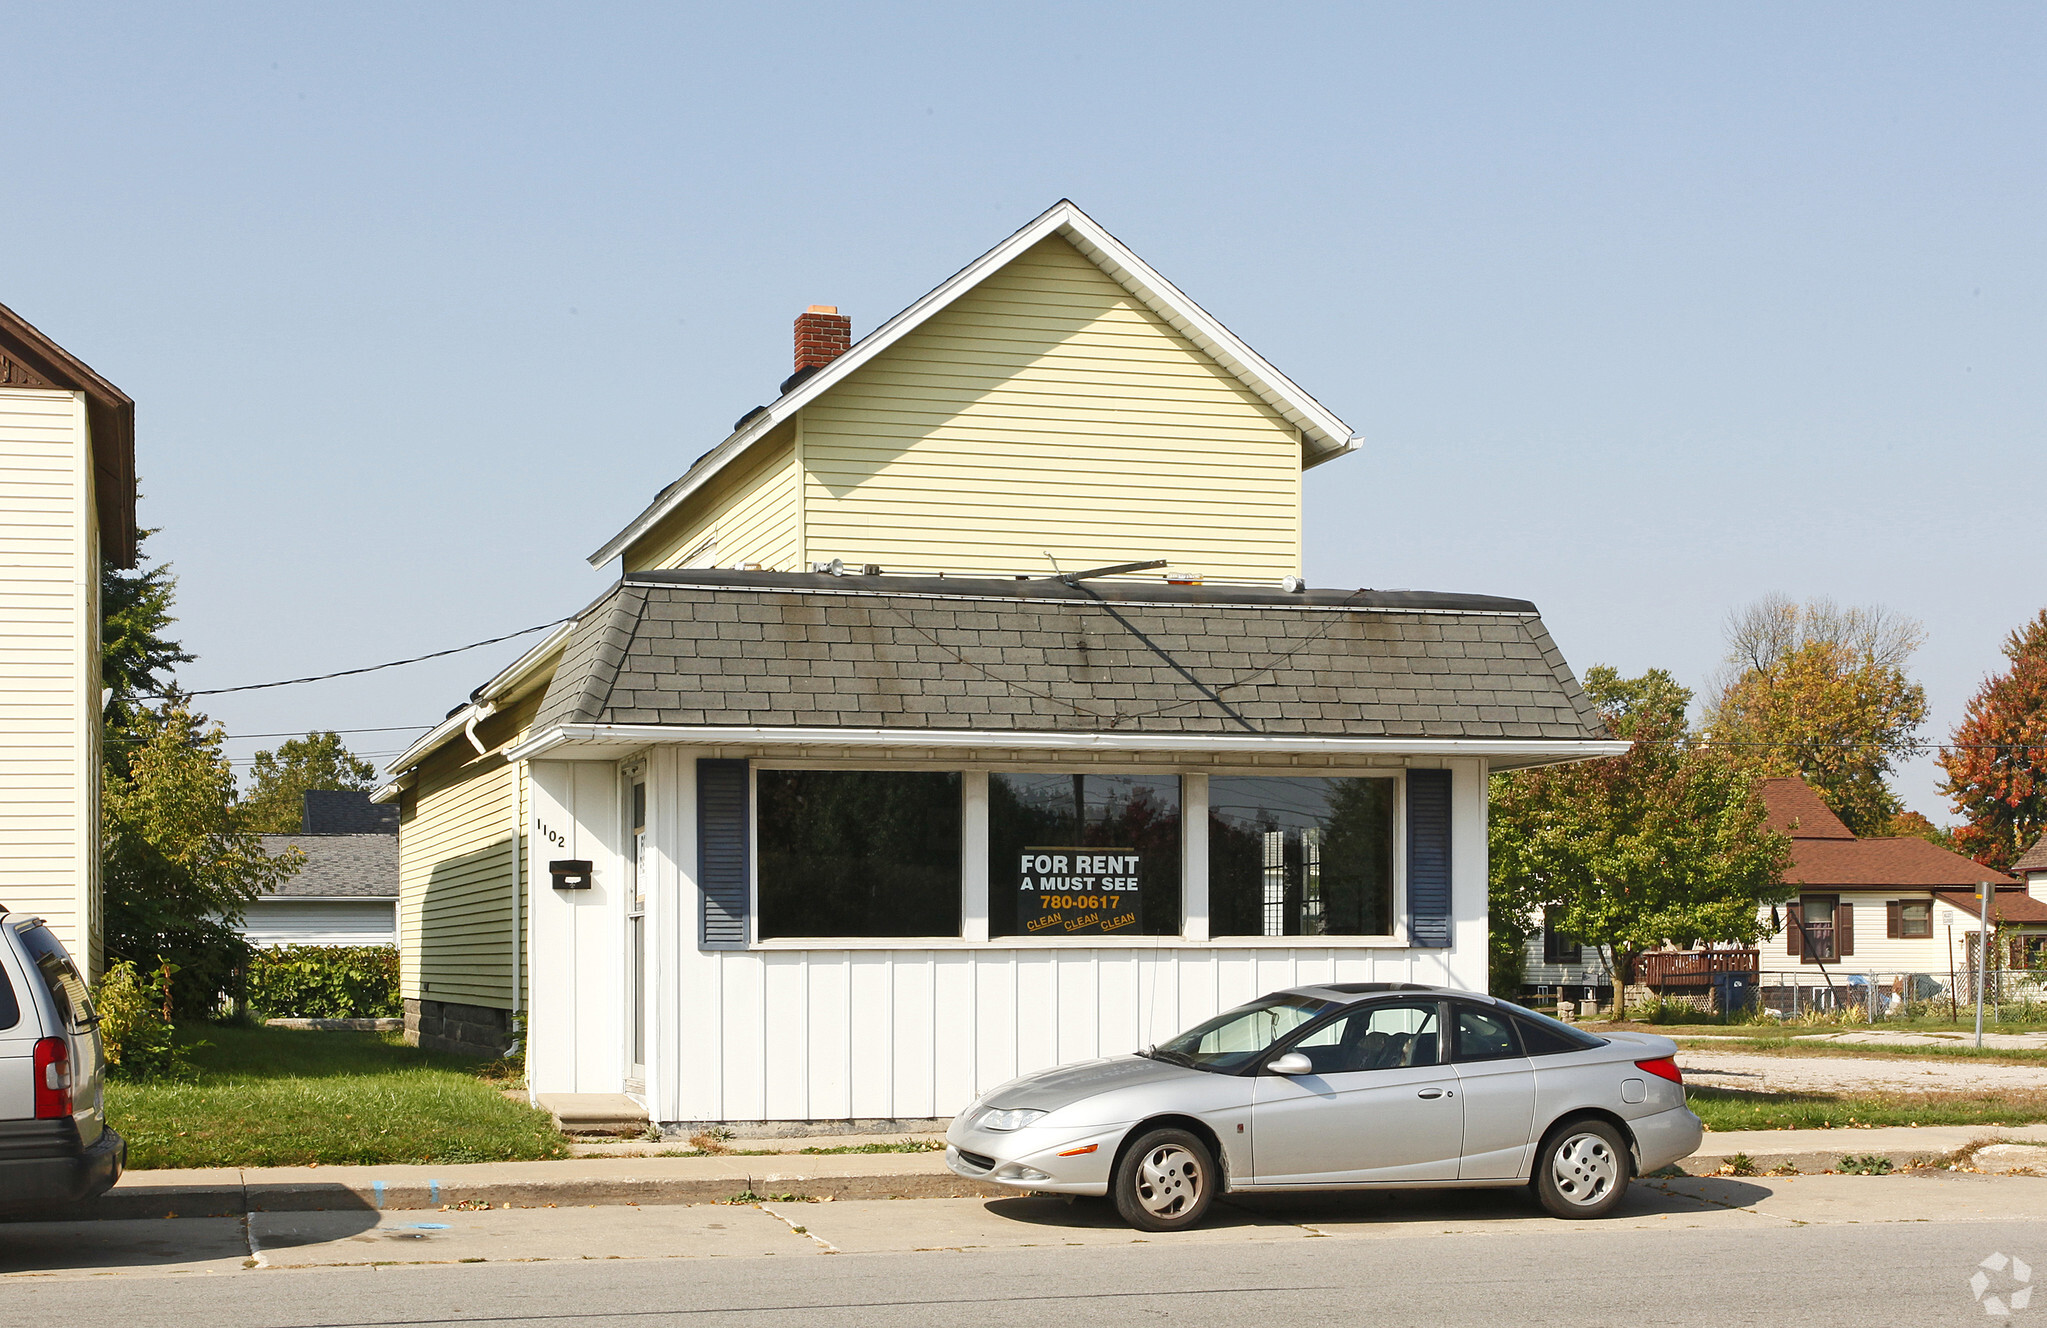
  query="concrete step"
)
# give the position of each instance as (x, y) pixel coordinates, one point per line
(594, 1113)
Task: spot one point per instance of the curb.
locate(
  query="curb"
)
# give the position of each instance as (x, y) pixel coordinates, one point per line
(233, 1200)
(1806, 1163)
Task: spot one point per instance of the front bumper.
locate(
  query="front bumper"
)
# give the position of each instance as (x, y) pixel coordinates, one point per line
(1068, 1160)
(1665, 1137)
(30, 1186)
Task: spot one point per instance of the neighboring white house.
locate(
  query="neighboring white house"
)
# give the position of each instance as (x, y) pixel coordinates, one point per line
(1886, 905)
(67, 509)
(2032, 869)
(772, 843)
(346, 893)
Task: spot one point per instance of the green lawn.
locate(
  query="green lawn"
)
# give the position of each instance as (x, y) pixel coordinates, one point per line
(269, 1097)
(1736, 1109)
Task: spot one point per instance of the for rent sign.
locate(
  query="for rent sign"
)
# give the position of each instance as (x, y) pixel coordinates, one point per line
(1077, 891)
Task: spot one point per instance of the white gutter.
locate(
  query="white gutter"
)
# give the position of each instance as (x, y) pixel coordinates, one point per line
(566, 735)
(477, 714)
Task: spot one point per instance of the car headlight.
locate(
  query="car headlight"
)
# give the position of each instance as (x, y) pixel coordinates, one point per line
(1014, 1119)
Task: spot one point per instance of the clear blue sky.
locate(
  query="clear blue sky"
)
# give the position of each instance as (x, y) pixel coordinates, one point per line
(1644, 311)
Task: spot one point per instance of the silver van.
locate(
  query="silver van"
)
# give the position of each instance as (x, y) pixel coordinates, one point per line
(55, 1147)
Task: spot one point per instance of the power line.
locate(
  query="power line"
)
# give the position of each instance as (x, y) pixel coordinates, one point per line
(393, 664)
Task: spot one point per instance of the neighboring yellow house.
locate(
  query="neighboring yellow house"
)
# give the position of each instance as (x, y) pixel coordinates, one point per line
(742, 840)
(67, 507)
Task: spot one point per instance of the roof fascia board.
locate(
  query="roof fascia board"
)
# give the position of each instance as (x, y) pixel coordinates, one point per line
(1331, 436)
(504, 685)
(511, 681)
(1554, 750)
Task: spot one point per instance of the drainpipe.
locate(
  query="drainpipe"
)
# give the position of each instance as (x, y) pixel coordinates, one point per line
(477, 714)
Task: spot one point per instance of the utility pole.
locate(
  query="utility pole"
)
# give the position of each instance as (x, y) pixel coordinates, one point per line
(1982, 951)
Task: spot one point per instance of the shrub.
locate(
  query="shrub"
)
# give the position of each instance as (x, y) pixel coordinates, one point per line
(135, 1034)
(325, 982)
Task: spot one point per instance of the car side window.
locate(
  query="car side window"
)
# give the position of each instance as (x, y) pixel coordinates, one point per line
(1483, 1035)
(1544, 1038)
(10, 1008)
(1381, 1036)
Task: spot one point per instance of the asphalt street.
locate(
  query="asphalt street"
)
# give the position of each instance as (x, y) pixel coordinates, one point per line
(1809, 1251)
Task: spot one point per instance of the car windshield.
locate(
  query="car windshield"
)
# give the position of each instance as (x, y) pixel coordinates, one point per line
(1235, 1038)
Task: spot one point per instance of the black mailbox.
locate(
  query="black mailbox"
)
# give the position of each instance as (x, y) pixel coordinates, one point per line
(570, 873)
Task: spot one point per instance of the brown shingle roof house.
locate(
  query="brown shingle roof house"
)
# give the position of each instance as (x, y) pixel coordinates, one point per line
(1923, 893)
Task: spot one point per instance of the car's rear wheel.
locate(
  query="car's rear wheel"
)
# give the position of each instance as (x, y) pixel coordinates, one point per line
(1582, 1170)
(1165, 1182)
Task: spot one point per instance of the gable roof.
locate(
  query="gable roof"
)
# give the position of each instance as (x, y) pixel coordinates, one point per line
(352, 866)
(809, 652)
(1907, 862)
(2033, 859)
(28, 358)
(1323, 435)
(1794, 809)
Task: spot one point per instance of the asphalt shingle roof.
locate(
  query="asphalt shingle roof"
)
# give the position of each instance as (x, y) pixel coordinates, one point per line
(815, 651)
(359, 865)
(2034, 858)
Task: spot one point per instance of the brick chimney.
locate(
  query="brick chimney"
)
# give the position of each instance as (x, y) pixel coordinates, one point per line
(823, 334)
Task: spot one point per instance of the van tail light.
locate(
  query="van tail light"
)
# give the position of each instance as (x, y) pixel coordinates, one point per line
(53, 1078)
(1663, 1067)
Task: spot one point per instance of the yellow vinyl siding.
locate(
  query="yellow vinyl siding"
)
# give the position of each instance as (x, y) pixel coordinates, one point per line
(455, 843)
(1047, 409)
(49, 666)
(749, 508)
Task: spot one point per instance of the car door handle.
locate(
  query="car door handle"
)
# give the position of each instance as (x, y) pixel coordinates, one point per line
(1435, 1092)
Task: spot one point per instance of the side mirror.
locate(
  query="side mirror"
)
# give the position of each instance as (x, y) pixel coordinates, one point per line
(1291, 1063)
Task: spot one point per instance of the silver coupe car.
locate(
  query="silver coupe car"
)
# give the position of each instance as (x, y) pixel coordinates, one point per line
(1362, 1085)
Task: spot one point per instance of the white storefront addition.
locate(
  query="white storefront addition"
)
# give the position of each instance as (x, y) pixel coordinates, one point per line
(897, 1028)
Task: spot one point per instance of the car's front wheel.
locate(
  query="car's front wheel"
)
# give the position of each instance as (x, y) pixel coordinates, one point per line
(1165, 1182)
(1582, 1170)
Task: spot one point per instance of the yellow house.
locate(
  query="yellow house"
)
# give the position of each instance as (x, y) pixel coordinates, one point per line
(67, 507)
(996, 610)
(1055, 401)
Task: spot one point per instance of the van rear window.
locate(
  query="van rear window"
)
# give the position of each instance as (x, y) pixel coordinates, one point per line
(60, 977)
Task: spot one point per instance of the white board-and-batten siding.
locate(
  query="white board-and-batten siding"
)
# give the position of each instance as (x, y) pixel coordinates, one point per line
(874, 1030)
(49, 666)
(1046, 410)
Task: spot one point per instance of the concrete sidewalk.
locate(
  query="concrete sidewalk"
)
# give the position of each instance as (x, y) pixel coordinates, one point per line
(577, 1182)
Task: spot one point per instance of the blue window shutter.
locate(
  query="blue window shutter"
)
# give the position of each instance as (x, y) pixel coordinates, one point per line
(722, 873)
(1428, 857)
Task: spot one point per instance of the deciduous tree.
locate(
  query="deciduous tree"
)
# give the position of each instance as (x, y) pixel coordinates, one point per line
(179, 867)
(1665, 843)
(279, 780)
(1821, 692)
(1997, 766)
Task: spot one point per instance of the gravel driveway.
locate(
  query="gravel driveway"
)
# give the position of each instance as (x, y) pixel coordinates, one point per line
(1850, 1074)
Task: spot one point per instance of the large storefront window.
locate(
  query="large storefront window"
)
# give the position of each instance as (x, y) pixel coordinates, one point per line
(858, 853)
(1083, 855)
(1300, 856)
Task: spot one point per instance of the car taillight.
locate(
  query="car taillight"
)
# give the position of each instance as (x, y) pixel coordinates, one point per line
(53, 1078)
(1663, 1067)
